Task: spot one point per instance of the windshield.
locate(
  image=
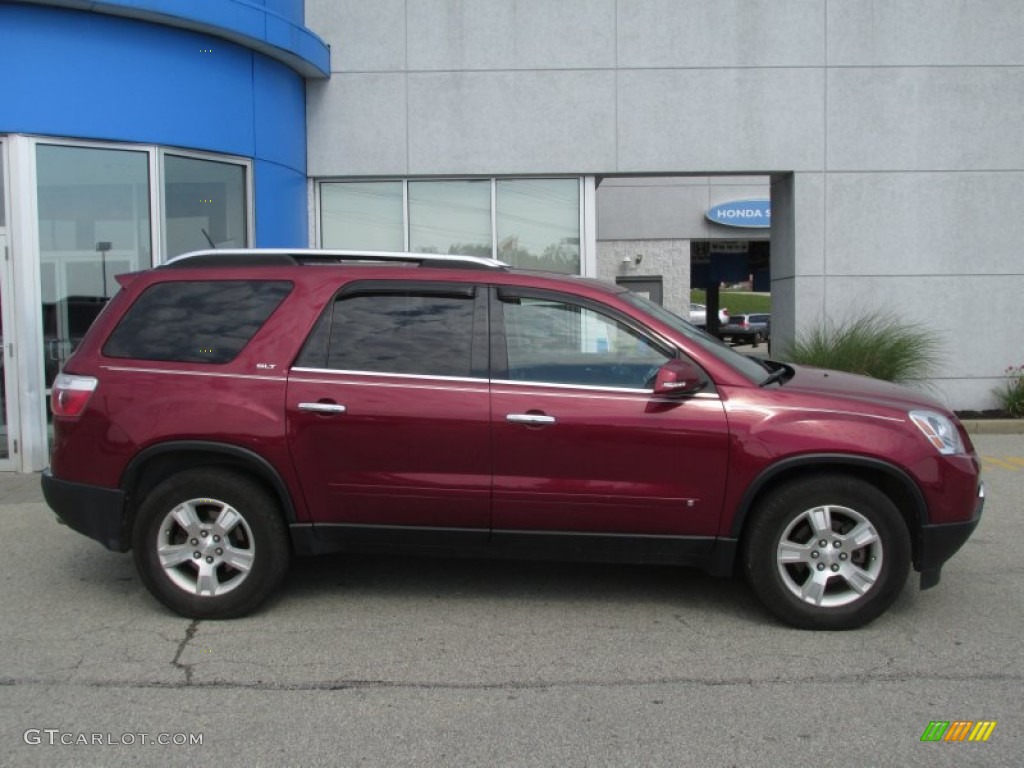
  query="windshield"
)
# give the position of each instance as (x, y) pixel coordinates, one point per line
(749, 367)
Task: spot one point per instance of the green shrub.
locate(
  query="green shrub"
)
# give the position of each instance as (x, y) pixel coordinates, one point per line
(877, 344)
(1011, 393)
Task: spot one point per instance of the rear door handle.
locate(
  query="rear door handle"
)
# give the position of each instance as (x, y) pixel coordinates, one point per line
(530, 418)
(322, 407)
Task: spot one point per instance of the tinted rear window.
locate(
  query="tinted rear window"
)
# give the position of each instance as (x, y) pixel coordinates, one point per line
(195, 322)
(419, 332)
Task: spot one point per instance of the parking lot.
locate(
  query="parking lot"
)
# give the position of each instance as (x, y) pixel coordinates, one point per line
(388, 661)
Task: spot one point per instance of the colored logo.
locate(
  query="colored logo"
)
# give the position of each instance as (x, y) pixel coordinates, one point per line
(958, 730)
(752, 214)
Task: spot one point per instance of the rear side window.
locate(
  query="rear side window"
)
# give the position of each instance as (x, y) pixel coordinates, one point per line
(195, 322)
(410, 332)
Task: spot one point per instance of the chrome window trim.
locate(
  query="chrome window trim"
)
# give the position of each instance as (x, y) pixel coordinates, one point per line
(584, 387)
(439, 386)
(210, 374)
(427, 376)
(590, 388)
(330, 375)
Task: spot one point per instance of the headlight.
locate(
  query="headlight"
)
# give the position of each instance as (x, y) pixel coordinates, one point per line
(940, 431)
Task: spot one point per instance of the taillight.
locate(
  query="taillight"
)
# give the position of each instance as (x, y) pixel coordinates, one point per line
(70, 394)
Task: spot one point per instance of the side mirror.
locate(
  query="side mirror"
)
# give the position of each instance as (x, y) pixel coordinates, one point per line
(678, 377)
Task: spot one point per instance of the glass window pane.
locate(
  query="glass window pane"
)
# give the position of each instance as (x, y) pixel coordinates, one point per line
(362, 216)
(208, 322)
(93, 224)
(538, 223)
(3, 206)
(205, 203)
(554, 342)
(452, 217)
(402, 333)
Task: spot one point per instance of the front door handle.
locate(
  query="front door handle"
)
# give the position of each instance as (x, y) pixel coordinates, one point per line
(534, 419)
(322, 407)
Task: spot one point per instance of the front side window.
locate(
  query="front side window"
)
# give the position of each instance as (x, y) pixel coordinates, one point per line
(560, 342)
(403, 332)
(195, 322)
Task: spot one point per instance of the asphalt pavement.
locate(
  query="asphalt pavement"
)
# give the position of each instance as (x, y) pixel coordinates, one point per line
(386, 661)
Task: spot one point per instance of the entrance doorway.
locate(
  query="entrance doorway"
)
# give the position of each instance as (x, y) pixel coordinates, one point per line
(8, 376)
(8, 379)
(649, 287)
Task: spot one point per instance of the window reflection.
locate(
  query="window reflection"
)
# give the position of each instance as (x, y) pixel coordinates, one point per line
(451, 217)
(364, 215)
(538, 222)
(560, 343)
(93, 225)
(412, 334)
(205, 203)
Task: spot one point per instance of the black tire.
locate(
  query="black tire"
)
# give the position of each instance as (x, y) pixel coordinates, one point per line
(757, 340)
(863, 573)
(221, 533)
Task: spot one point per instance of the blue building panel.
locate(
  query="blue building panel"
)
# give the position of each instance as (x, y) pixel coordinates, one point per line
(96, 76)
(274, 27)
(279, 109)
(281, 213)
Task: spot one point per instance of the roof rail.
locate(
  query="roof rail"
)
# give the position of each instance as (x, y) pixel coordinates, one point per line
(279, 257)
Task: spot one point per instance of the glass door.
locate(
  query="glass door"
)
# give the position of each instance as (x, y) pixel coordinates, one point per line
(8, 377)
(8, 381)
(94, 224)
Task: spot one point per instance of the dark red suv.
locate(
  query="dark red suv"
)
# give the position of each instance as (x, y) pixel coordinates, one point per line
(228, 410)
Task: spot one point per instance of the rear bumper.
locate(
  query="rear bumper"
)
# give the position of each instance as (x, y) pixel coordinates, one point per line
(91, 510)
(938, 543)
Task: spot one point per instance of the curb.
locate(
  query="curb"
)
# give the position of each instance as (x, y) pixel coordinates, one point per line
(994, 426)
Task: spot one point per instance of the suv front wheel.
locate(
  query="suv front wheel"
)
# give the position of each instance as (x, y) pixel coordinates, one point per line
(210, 544)
(827, 552)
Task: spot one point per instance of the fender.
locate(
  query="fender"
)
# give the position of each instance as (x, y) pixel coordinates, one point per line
(920, 509)
(240, 457)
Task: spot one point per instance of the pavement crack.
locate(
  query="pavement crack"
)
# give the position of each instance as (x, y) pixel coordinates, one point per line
(190, 632)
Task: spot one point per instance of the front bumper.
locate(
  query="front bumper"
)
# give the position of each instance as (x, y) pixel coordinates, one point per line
(938, 543)
(96, 512)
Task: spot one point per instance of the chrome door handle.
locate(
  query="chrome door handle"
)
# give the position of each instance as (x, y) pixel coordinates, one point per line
(322, 407)
(529, 418)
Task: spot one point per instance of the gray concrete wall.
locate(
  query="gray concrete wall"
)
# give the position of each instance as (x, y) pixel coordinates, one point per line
(647, 207)
(891, 131)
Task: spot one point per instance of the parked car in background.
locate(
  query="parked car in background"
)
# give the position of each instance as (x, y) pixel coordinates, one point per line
(747, 329)
(229, 410)
(699, 316)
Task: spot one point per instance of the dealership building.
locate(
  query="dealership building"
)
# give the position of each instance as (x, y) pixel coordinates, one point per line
(648, 142)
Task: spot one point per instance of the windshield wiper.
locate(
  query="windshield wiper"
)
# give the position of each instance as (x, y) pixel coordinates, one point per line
(782, 372)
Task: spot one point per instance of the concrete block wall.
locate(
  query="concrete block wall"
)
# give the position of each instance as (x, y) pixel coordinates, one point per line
(667, 259)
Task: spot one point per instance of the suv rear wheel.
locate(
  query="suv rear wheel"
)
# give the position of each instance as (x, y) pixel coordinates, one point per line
(210, 544)
(828, 552)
